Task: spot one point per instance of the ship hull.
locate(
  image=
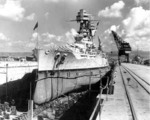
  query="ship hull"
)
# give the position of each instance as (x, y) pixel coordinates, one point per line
(49, 87)
(71, 75)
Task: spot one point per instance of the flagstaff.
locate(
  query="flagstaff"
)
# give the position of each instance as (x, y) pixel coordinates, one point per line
(36, 29)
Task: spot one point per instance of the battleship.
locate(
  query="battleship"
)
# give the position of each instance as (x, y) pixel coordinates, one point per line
(63, 69)
(59, 71)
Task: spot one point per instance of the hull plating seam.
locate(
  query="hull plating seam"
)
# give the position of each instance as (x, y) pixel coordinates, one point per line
(70, 77)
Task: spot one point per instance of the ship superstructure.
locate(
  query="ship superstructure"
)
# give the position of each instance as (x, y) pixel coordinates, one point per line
(62, 69)
(84, 46)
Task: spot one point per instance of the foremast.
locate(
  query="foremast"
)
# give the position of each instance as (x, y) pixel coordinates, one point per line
(84, 39)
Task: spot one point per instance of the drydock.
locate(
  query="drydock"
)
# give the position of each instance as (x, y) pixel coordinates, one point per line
(129, 100)
(65, 75)
(76, 82)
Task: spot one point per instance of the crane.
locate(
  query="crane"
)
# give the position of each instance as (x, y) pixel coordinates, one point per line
(124, 48)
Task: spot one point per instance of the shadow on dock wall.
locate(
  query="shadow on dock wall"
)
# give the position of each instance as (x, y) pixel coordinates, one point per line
(19, 90)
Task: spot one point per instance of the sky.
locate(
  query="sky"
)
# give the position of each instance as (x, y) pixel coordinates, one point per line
(129, 18)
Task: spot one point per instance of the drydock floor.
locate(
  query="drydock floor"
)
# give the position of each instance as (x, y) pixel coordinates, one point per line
(82, 109)
(117, 107)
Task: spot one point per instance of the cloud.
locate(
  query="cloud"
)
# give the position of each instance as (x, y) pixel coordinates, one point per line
(3, 37)
(31, 45)
(12, 9)
(56, 1)
(35, 36)
(31, 17)
(48, 40)
(113, 27)
(52, 0)
(50, 44)
(117, 29)
(142, 1)
(9, 44)
(47, 37)
(113, 11)
(46, 14)
(137, 28)
(137, 21)
(73, 32)
(68, 37)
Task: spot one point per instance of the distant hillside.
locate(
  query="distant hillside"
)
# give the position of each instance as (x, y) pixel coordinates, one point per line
(143, 54)
(112, 54)
(16, 54)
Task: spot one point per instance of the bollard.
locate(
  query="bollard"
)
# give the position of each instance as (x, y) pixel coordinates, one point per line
(1, 112)
(30, 109)
(40, 118)
(1, 118)
(6, 116)
(13, 110)
(15, 119)
(128, 80)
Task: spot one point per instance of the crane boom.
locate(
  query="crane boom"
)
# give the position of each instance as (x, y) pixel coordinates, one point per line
(124, 48)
